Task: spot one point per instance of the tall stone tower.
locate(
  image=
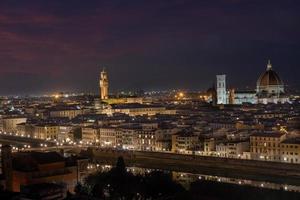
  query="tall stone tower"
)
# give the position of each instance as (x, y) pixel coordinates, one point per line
(103, 85)
(221, 89)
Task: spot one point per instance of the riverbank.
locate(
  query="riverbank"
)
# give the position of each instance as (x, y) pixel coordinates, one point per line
(248, 169)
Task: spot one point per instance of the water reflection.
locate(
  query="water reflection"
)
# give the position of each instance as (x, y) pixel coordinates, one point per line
(187, 178)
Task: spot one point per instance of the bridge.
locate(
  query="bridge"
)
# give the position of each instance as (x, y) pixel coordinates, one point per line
(26, 143)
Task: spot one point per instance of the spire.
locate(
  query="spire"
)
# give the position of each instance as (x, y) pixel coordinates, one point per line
(269, 65)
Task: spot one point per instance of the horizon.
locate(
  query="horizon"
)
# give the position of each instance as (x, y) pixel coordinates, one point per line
(116, 91)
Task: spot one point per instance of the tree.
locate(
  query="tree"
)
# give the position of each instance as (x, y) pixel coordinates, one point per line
(120, 166)
(118, 183)
(159, 184)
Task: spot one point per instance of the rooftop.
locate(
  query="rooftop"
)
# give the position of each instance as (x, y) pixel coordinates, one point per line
(292, 141)
(29, 161)
(134, 105)
(268, 134)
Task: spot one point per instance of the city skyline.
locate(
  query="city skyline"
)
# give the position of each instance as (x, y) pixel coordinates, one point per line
(136, 99)
(55, 46)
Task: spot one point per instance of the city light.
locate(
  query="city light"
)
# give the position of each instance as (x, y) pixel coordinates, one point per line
(168, 100)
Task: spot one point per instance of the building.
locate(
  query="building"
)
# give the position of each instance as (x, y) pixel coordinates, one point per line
(123, 100)
(232, 149)
(266, 145)
(134, 109)
(221, 149)
(269, 115)
(129, 138)
(184, 142)
(245, 96)
(28, 168)
(45, 131)
(231, 98)
(270, 87)
(103, 85)
(25, 129)
(89, 134)
(146, 140)
(221, 89)
(209, 146)
(163, 138)
(290, 150)
(9, 123)
(65, 133)
(110, 137)
(69, 112)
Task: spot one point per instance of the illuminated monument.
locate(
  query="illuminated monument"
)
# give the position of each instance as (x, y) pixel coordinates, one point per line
(269, 83)
(112, 99)
(269, 87)
(103, 85)
(221, 89)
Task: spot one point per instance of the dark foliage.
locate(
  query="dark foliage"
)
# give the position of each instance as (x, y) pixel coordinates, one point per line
(118, 183)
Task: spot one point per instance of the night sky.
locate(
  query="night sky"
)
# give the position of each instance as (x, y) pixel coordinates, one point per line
(61, 45)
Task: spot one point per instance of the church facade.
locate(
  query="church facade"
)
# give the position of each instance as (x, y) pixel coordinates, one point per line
(269, 89)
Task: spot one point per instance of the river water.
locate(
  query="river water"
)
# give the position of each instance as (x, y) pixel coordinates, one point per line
(187, 178)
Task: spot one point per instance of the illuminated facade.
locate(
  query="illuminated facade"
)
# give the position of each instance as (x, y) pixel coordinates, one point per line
(110, 137)
(10, 123)
(269, 89)
(103, 85)
(184, 142)
(135, 109)
(89, 134)
(245, 96)
(221, 89)
(45, 131)
(266, 146)
(290, 150)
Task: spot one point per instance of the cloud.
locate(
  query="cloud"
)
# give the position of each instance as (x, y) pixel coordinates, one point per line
(72, 39)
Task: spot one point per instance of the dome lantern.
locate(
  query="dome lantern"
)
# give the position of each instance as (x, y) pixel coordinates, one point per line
(269, 65)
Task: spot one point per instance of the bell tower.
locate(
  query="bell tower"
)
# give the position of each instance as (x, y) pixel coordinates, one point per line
(103, 85)
(221, 89)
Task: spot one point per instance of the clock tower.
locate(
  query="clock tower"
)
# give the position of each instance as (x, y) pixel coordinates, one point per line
(103, 85)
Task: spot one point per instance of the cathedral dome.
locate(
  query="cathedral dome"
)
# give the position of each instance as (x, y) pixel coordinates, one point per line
(269, 78)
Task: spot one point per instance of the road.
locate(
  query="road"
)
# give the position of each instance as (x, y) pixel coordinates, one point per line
(248, 169)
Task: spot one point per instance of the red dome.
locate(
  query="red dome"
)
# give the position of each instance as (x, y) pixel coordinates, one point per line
(269, 77)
